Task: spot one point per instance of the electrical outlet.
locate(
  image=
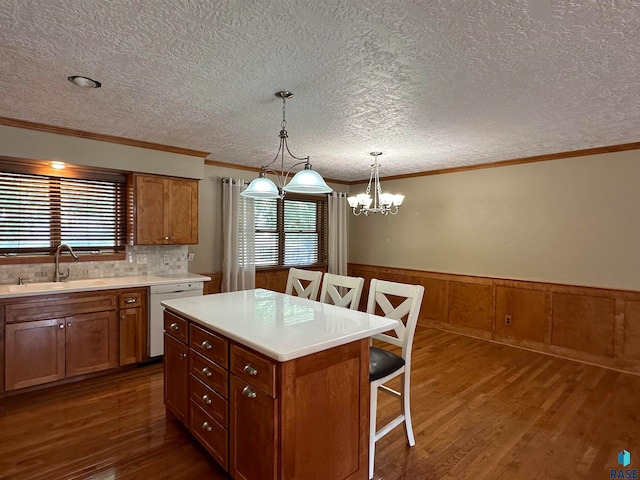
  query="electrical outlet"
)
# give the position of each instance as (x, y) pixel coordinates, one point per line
(141, 258)
(165, 259)
(507, 320)
(192, 256)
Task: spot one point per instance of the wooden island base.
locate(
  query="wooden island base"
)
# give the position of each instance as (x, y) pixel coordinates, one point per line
(305, 418)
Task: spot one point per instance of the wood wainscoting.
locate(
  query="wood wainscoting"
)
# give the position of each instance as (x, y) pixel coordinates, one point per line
(593, 325)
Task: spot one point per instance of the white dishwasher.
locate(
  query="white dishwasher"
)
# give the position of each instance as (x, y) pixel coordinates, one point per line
(159, 293)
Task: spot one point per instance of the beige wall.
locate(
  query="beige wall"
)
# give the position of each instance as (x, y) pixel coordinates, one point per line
(22, 143)
(569, 221)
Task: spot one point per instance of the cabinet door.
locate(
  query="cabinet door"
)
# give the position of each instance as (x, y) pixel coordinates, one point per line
(176, 378)
(130, 331)
(91, 343)
(34, 353)
(253, 433)
(151, 216)
(182, 211)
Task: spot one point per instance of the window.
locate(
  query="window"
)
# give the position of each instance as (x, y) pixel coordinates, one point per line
(39, 211)
(291, 232)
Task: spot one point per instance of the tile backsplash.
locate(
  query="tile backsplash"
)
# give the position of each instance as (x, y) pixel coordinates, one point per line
(139, 260)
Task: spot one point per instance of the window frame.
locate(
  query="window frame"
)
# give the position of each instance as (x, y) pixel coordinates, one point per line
(322, 226)
(32, 255)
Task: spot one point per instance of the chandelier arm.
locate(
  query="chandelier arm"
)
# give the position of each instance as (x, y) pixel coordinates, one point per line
(286, 146)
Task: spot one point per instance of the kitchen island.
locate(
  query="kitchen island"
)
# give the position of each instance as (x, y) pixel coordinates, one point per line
(273, 386)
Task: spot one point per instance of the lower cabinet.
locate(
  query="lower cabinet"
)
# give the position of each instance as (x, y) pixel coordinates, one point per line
(176, 378)
(53, 337)
(34, 353)
(253, 432)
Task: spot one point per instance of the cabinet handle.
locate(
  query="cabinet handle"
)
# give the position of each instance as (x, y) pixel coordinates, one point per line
(182, 356)
(174, 326)
(122, 317)
(168, 238)
(206, 371)
(206, 426)
(206, 345)
(68, 324)
(130, 300)
(248, 392)
(61, 325)
(206, 399)
(250, 369)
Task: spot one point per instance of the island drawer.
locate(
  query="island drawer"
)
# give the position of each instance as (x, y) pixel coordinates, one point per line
(254, 369)
(211, 435)
(213, 347)
(175, 326)
(208, 372)
(207, 399)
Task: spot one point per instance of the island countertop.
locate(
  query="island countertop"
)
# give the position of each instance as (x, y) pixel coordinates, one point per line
(282, 327)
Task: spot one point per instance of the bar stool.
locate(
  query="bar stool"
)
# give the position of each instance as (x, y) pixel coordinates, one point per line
(385, 365)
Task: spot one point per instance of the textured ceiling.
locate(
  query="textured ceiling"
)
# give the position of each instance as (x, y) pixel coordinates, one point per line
(431, 84)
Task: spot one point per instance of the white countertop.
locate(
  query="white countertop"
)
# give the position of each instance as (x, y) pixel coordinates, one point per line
(8, 291)
(282, 327)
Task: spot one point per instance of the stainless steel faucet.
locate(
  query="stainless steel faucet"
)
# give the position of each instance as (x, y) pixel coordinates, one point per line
(57, 276)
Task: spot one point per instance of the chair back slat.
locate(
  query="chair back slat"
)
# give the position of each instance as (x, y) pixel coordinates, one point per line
(379, 291)
(341, 290)
(295, 286)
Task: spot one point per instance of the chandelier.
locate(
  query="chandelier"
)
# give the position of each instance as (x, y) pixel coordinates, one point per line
(384, 203)
(305, 181)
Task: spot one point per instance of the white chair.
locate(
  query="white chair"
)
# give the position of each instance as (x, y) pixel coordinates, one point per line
(341, 290)
(312, 281)
(385, 365)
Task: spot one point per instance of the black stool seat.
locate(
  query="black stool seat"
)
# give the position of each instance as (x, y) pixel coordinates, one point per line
(382, 363)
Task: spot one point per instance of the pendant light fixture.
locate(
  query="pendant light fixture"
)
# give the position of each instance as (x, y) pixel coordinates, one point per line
(383, 203)
(305, 181)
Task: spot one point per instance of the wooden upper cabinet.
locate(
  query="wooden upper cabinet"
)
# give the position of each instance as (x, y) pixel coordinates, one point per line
(165, 210)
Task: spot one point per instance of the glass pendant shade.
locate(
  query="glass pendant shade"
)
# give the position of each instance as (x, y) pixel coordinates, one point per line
(261, 187)
(307, 181)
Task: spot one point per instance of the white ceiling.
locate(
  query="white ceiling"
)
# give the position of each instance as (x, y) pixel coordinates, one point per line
(431, 84)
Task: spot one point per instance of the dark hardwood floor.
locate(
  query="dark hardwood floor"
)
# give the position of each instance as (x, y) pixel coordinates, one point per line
(480, 410)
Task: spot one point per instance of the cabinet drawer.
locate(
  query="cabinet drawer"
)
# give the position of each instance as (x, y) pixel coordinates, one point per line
(175, 326)
(211, 435)
(212, 403)
(256, 370)
(208, 372)
(128, 300)
(208, 344)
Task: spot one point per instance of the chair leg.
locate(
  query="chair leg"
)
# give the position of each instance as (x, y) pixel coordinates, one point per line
(373, 409)
(406, 409)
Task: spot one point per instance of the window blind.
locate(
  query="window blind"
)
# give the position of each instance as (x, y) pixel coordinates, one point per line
(38, 212)
(291, 232)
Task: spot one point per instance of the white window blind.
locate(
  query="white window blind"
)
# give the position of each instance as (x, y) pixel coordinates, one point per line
(38, 212)
(291, 232)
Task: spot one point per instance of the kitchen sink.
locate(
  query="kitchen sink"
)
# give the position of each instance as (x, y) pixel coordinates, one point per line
(53, 286)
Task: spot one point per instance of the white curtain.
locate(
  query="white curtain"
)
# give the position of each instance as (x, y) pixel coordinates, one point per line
(338, 233)
(238, 232)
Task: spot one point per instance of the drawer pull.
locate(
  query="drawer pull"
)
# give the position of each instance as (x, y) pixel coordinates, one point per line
(248, 392)
(130, 300)
(174, 326)
(250, 369)
(61, 325)
(206, 345)
(206, 426)
(206, 371)
(206, 399)
(182, 356)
